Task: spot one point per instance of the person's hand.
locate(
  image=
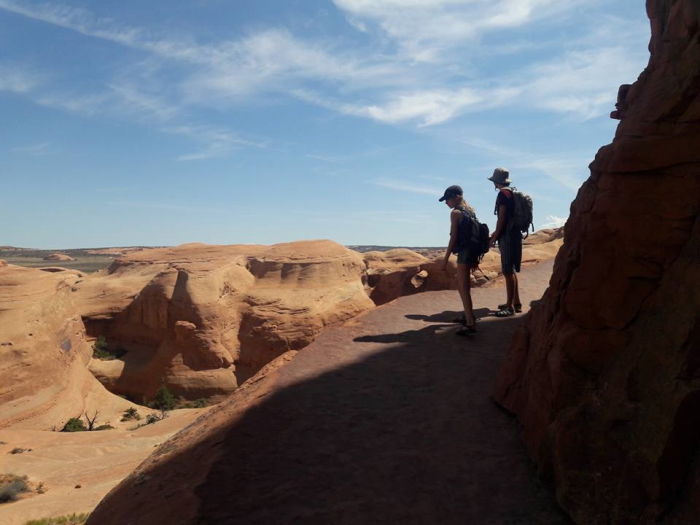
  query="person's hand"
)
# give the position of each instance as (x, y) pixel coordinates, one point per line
(492, 241)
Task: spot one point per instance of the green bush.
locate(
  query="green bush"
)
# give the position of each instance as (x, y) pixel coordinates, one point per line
(18, 450)
(11, 487)
(75, 424)
(73, 519)
(100, 350)
(131, 414)
(164, 400)
(104, 427)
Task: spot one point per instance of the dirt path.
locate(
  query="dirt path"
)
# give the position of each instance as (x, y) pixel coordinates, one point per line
(385, 420)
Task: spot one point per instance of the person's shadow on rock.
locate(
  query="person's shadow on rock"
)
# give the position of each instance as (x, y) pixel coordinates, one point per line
(448, 316)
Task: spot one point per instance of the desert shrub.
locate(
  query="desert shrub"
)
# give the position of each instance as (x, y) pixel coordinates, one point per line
(73, 519)
(101, 351)
(11, 487)
(152, 418)
(18, 450)
(40, 489)
(164, 400)
(199, 403)
(75, 424)
(104, 427)
(131, 414)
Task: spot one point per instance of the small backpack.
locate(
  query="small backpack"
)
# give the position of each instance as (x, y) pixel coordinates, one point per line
(522, 215)
(474, 236)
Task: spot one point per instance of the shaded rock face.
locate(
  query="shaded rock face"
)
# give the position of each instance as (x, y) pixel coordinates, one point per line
(605, 375)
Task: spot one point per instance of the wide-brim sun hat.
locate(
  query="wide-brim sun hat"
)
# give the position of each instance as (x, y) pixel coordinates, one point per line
(500, 176)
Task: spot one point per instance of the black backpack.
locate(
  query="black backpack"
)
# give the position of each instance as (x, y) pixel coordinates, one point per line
(522, 216)
(474, 236)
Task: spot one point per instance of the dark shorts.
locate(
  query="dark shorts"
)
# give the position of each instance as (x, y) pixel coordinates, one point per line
(510, 245)
(464, 257)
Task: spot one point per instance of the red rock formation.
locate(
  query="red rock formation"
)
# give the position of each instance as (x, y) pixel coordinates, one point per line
(58, 257)
(44, 380)
(202, 319)
(605, 376)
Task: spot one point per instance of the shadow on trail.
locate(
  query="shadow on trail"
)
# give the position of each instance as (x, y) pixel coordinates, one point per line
(407, 434)
(448, 316)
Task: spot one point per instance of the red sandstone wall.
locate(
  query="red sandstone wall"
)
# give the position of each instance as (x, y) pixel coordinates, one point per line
(605, 375)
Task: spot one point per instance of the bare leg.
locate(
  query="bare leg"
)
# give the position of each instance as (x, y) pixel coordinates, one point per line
(516, 292)
(511, 286)
(464, 286)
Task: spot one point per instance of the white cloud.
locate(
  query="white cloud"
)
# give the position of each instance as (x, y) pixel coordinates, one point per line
(408, 187)
(584, 82)
(554, 222)
(16, 80)
(43, 148)
(424, 28)
(216, 142)
(422, 84)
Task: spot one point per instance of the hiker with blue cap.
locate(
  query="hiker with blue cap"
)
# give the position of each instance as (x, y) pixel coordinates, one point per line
(461, 221)
(511, 205)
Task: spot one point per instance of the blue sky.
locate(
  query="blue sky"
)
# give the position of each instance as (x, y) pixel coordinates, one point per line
(226, 122)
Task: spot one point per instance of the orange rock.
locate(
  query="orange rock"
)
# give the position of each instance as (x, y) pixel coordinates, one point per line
(202, 319)
(604, 376)
(58, 257)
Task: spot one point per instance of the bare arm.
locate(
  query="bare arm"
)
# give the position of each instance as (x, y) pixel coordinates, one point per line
(502, 214)
(455, 218)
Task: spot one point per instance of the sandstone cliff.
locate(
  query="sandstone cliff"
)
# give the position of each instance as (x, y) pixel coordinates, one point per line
(44, 379)
(202, 319)
(605, 375)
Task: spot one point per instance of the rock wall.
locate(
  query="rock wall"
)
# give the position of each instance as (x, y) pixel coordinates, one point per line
(202, 319)
(605, 375)
(44, 380)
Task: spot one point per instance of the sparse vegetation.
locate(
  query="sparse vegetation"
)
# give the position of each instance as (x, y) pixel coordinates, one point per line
(164, 400)
(74, 424)
(131, 414)
(100, 350)
(73, 519)
(152, 419)
(19, 450)
(199, 403)
(11, 487)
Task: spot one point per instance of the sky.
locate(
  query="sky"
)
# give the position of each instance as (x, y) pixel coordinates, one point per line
(263, 121)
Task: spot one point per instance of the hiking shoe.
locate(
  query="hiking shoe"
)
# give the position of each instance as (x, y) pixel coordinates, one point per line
(506, 312)
(518, 307)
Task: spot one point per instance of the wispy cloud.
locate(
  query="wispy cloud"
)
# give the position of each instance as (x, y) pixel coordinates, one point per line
(216, 142)
(324, 158)
(14, 79)
(554, 222)
(43, 148)
(425, 28)
(407, 187)
(415, 76)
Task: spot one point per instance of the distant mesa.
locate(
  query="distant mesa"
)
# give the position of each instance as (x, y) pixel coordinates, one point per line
(59, 257)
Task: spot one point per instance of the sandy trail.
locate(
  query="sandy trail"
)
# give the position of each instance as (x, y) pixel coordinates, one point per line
(96, 461)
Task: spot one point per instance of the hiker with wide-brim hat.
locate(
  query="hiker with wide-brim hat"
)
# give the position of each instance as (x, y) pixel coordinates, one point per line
(466, 261)
(510, 241)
